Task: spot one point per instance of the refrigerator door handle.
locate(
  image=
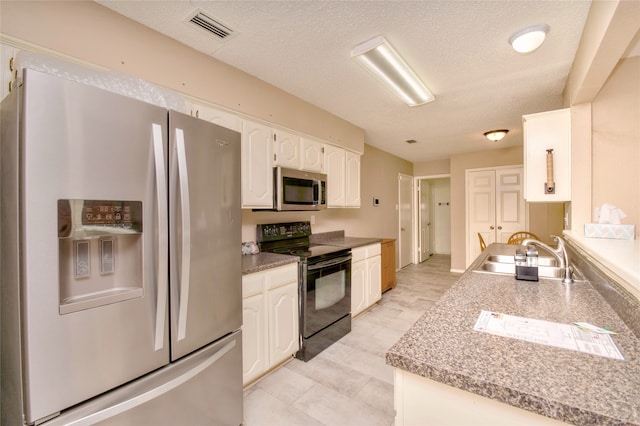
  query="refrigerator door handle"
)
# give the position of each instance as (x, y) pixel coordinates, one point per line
(183, 179)
(163, 244)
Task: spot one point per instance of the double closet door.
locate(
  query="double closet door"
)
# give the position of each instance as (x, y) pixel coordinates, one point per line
(495, 206)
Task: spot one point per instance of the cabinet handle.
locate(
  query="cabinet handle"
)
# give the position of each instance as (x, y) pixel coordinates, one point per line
(492, 227)
(499, 227)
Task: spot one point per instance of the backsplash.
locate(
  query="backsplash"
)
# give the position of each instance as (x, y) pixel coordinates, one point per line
(625, 305)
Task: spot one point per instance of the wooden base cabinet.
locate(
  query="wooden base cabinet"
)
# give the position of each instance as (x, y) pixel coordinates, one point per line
(366, 268)
(269, 319)
(388, 258)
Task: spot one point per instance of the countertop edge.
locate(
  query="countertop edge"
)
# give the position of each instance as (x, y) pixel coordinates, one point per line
(536, 404)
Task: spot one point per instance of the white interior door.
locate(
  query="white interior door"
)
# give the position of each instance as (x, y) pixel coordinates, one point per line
(441, 201)
(405, 209)
(481, 210)
(495, 207)
(510, 205)
(424, 214)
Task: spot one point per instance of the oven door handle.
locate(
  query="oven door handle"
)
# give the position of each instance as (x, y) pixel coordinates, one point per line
(331, 262)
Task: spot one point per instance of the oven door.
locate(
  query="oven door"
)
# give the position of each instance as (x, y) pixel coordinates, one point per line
(326, 292)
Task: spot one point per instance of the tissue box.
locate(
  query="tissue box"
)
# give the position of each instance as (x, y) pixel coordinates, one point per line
(605, 230)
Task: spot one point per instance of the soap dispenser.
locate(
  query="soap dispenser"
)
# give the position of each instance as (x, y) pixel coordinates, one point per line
(527, 264)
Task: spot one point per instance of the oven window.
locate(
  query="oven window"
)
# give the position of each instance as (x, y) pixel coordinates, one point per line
(330, 289)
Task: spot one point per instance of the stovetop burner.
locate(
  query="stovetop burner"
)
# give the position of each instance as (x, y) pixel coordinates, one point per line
(293, 239)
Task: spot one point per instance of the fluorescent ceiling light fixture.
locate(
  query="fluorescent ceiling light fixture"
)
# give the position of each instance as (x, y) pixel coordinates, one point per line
(381, 60)
(496, 135)
(529, 39)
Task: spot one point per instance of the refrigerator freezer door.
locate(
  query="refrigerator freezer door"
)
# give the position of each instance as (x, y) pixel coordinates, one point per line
(82, 143)
(204, 388)
(205, 231)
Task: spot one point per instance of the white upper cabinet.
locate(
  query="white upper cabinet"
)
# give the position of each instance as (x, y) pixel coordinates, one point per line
(342, 168)
(335, 168)
(352, 185)
(286, 149)
(7, 71)
(257, 167)
(546, 131)
(312, 155)
(213, 115)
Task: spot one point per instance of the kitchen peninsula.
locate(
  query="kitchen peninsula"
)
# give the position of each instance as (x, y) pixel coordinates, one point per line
(447, 372)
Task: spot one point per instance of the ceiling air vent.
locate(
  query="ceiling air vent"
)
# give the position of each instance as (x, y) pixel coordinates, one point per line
(211, 25)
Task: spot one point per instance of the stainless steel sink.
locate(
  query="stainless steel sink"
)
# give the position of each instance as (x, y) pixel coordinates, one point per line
(503, 258)
(505, 264)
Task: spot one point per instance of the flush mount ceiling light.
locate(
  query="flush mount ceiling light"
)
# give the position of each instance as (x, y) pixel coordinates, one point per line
(381, 60)
(496, 135)
(529, 39)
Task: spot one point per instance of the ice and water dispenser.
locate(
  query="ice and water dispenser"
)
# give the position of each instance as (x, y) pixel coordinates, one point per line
(100, 252)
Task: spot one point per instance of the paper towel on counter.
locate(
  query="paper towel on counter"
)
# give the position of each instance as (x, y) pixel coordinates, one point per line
(608, 213)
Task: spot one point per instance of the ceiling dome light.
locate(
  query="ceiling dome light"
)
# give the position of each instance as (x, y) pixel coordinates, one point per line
(529, 39)
(496, 135)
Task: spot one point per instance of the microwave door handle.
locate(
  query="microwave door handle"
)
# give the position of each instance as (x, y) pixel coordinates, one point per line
(183, 181)
(316, 192)
(163, 243)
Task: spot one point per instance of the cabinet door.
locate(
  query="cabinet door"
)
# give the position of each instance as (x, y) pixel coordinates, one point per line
(352, 186)
(334, 166)
(374, 280)
(543, 131)
(257, 168)
(358, 284)
(213, 115)
(283, 322)
(312, 155)
(388, 257)
(6, 72)
(286, 149)
(254, 342)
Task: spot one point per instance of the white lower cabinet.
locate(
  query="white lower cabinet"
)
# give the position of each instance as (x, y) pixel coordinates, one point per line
(366, 282)
(269, 319)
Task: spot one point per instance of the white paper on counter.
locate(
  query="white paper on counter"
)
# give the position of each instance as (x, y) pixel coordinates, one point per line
(567, 336)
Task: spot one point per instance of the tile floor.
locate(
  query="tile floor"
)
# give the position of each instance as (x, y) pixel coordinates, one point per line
(349, 382)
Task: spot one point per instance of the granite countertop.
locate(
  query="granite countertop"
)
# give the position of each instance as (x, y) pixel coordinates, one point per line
(567, 385)
(337, 238)
(252, 263)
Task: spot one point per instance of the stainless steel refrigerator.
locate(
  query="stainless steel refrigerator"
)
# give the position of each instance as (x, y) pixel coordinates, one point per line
(121, 275)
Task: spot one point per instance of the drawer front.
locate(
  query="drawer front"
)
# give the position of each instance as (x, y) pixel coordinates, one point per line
(373, 250)
(282, 275)
(252, 284)
(358, 254)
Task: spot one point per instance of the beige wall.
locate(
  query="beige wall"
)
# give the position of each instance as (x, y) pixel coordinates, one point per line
(432, 168)
(91, 33)
(616, 142)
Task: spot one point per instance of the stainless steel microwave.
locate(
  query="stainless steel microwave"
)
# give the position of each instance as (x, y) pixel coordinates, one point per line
(299, 190)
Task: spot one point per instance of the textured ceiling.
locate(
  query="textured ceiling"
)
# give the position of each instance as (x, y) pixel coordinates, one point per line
(459, 48)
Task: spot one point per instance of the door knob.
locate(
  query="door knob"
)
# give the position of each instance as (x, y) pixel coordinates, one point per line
(492, 227)
(499, 227)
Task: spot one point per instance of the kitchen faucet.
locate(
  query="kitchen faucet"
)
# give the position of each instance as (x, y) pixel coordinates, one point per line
(559, 253)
